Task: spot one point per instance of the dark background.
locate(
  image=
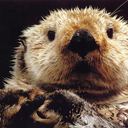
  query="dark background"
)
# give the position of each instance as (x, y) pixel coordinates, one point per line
(16, 15)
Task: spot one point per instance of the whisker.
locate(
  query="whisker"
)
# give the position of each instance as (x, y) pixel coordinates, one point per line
(116, 10)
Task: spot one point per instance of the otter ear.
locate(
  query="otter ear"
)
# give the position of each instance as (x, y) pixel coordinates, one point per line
(20, 52)
(22, 41)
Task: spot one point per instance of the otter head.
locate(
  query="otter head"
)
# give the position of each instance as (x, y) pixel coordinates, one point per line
(86, 49)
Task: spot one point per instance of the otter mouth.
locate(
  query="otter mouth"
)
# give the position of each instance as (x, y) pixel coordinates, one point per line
(82, 67)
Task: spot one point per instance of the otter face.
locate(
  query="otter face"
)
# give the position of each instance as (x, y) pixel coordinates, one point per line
(86, 47)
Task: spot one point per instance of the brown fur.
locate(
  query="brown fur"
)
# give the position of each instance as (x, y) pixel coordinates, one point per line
(50, 65)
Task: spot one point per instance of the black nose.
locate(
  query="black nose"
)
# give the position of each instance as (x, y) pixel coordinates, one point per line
(82, 42)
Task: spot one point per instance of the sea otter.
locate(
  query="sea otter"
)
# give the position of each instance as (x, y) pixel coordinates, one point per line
(80, 53)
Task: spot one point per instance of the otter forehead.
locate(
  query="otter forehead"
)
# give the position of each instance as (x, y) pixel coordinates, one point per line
(75, 16)
(78, 17)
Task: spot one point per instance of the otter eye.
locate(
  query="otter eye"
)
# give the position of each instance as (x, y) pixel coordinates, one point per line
(51, 35)
(110, 33)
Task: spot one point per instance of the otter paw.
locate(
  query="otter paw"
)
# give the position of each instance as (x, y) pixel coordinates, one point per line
(22, 118)
(61, 107)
